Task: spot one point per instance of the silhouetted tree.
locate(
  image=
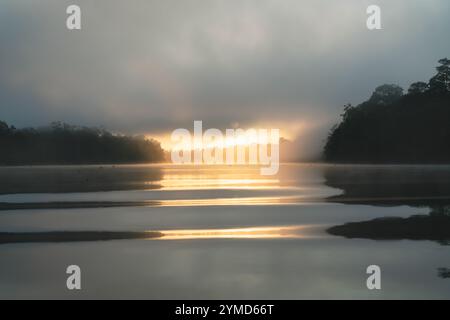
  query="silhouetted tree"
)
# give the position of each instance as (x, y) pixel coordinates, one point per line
(440, 83)
(392, 127)
(4, 129)
(61, 143)
(386, 94)
(418, 87)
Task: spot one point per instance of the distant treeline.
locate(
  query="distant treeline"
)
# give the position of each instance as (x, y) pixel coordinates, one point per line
(392, 127)
(61, 143)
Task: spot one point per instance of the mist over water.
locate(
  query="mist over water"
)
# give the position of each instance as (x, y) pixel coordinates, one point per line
(216, 231)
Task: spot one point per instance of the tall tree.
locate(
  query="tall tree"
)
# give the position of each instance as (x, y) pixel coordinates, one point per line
(440, 83)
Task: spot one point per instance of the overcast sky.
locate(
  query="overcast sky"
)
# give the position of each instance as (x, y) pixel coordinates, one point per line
(143, 66)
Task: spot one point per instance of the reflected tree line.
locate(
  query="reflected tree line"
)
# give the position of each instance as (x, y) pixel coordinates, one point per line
(61, 143)
(393, 127)
(415, 186)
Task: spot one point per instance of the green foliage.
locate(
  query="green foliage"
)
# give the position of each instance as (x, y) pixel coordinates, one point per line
(61, 143)
(395, 128)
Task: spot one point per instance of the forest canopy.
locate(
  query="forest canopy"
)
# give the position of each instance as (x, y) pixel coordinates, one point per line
(393, 127)
(61, 143)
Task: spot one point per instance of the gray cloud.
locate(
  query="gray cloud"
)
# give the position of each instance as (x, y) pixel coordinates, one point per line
(152, 66)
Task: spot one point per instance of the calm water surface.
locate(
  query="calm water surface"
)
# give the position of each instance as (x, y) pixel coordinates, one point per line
(227, 232)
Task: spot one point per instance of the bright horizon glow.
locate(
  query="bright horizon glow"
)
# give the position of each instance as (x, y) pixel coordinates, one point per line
(287, 131)
(225, 143)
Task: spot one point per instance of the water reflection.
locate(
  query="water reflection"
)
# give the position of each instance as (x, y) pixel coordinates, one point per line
(424, 186)
(181, 182)
(266, 232)
(238, 201)
(273, 232)
(89, 178)
(204, 202)
(225, 261)
(215, 177)
(73, 236)
(156, 186)
(434, 226)
(417, 186)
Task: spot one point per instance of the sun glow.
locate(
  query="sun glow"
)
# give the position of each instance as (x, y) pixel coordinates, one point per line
(234, 146)
(236, 140)
(213, 138)
(288, 131)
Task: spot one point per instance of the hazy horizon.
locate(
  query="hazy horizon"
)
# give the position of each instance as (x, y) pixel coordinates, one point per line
(151, 67)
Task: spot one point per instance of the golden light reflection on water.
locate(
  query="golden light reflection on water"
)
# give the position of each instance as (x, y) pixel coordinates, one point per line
(271, 232)
(199, 177)
(239, 201)
(222, 178)
(199, 182)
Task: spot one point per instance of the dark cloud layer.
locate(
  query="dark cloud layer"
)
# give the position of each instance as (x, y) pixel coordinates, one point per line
(153, 66)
